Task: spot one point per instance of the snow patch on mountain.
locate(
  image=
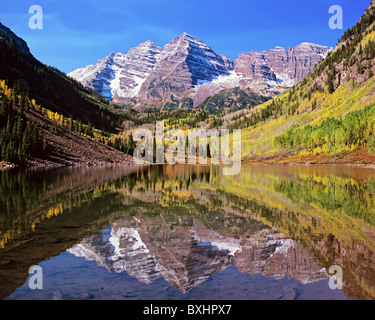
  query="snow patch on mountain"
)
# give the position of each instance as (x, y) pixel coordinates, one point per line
(120, 75)
(229, 81)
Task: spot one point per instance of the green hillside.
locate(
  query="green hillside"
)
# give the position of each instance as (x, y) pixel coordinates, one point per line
(231, 100)
(54, 90)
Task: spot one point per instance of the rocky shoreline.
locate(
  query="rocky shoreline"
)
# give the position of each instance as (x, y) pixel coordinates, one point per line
(4, 166)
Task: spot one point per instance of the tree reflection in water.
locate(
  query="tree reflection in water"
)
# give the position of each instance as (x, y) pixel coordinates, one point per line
(183, 224)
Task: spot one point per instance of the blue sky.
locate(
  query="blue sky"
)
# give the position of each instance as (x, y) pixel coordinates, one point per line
(79, 32)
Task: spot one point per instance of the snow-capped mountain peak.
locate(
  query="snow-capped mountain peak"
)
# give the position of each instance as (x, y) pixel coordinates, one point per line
(120, 75)
(187, 67)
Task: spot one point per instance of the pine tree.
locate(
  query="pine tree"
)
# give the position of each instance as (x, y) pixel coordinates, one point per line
(4, 107)
(330, 78)
(44, 145)
(8, 129)
(7, 157)
(360, 68)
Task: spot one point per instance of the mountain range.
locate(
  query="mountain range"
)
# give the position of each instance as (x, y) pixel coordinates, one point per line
(187, 71)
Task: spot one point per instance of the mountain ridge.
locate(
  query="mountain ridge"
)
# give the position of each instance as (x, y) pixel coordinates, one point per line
(188, 68)
(20, 42)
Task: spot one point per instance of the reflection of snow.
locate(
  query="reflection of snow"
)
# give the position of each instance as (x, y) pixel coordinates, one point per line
(282, 246)
(187, 264)
(128, 234)
(232, 248)
(208, 237)
(226, 246)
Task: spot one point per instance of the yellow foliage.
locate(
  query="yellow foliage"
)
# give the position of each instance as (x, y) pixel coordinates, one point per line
(258, 140)
(369, 37)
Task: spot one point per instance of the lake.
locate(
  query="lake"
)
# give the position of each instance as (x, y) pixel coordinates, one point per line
(188, 232)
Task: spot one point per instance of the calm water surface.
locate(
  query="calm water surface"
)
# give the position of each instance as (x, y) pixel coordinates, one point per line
(188, 232)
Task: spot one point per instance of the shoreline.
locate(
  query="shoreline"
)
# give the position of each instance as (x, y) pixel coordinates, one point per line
(9, 166)
(360, 165)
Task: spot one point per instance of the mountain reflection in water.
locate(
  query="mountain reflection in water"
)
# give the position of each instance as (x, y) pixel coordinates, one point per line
(187, 226)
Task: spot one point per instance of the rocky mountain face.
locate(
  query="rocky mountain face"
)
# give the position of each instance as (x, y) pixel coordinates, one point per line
(184, 63)
(270, 72)
(287, 67)
(120, 75)
(266, 73)
(187, 68)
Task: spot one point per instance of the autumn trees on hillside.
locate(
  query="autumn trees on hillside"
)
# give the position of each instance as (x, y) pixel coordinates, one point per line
(356, 129)
(19, 136)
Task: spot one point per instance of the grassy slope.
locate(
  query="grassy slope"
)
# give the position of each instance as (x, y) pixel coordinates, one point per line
(71, 148)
